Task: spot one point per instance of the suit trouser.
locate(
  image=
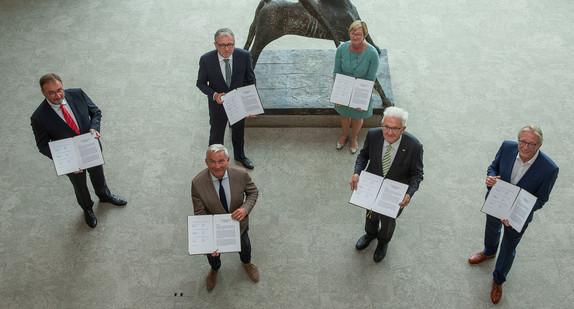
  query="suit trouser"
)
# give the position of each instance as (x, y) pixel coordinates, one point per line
(385, 232)
(218, 122)
(510, 240)
(81, 187)
(244, 254)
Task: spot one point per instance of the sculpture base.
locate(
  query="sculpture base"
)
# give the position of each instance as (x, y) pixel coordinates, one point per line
(295, 86)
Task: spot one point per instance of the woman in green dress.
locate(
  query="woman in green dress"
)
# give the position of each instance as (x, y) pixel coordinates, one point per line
(358, 59)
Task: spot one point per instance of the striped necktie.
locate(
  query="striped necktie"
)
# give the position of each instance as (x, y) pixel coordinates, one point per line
(69, 119)
(387, 161)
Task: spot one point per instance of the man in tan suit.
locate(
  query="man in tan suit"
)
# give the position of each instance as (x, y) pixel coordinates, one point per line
(221, 189)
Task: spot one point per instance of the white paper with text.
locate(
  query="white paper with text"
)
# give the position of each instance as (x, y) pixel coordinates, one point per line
(342, 89)
(242, 102)
(381, 195)
(391, 194)
(353, 92)
(210, 233)
(367, 190)
(507, 201)
(76, 153)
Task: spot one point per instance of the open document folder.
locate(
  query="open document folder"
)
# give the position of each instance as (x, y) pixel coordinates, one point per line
(76, 153)
(381, 195)
(210, 233)
(352, 92)
(242, 102)
(507, 201)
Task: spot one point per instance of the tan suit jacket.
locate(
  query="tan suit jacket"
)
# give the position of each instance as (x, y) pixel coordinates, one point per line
(206, 201)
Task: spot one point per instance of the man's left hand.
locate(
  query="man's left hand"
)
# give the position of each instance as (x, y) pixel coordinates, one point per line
(405, 201)
(96, 133)
(239, 214)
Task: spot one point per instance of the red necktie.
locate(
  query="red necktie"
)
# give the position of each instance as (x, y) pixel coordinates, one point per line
(69, 119)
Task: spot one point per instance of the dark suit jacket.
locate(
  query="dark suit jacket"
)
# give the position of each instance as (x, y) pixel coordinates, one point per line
(538, 180)
(407, 167)
(48, 126)
(210, 79)
(205, 198)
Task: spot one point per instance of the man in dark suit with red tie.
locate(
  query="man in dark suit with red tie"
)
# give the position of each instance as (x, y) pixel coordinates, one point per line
(220, 71)
(524, 165)
(64, 114)
(390, 152)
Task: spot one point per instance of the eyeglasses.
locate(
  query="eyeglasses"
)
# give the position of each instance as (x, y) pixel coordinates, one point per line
(523, 143)
(358, 35)
(395, 130)
(225, 45)
(53, 93)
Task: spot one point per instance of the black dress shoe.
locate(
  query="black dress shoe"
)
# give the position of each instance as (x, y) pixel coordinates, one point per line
(380, 252)
(246, 162)
(364, 242)
(114, 199)
(91, 220)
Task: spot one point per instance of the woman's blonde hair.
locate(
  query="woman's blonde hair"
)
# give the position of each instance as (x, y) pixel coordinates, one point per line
(359, 24)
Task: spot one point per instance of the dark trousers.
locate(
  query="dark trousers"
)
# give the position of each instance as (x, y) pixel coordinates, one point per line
(244, 254)
(218, 122)
(387, 226)
(510, 240)
(81, 187)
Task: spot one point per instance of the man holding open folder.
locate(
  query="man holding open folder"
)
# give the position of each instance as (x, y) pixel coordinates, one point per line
(220, 71)
(64, 114)
(524, 165)
(392, 153)
(221, 189)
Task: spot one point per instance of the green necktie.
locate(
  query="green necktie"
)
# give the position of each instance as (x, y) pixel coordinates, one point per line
(387, 161)
(227, 72)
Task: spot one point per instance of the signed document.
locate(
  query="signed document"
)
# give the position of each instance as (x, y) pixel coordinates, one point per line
(210, 233)
(76, 153)
(352, 92)
(242, 102)
(507, 201)
(381, 195)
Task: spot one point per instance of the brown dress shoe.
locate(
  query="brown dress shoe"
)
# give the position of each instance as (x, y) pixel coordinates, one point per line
(211, 279)
(252, 271)
(479, 257)
(496, 292)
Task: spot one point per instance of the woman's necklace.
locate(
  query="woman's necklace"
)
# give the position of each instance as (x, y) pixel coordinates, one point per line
(355, 59)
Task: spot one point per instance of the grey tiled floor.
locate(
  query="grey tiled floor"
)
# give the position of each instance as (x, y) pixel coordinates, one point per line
(469, 72)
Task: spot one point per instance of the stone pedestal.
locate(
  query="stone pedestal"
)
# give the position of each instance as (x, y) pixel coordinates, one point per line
(295, 86)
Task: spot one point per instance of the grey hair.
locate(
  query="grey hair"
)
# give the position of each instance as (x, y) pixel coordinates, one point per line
(223, 32)
(216, 148)
(534, 129)
(396, 112)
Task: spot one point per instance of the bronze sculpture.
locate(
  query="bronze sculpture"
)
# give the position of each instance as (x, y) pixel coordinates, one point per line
(321, 19)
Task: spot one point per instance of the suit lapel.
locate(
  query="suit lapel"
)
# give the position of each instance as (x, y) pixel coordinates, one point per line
(234, 66)
(377, 145)
(509, 162)
(54, 118)
(531, 172)
(77, 113)
(233, 185)
(212, 194)
(401, 152)
(217, 67)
